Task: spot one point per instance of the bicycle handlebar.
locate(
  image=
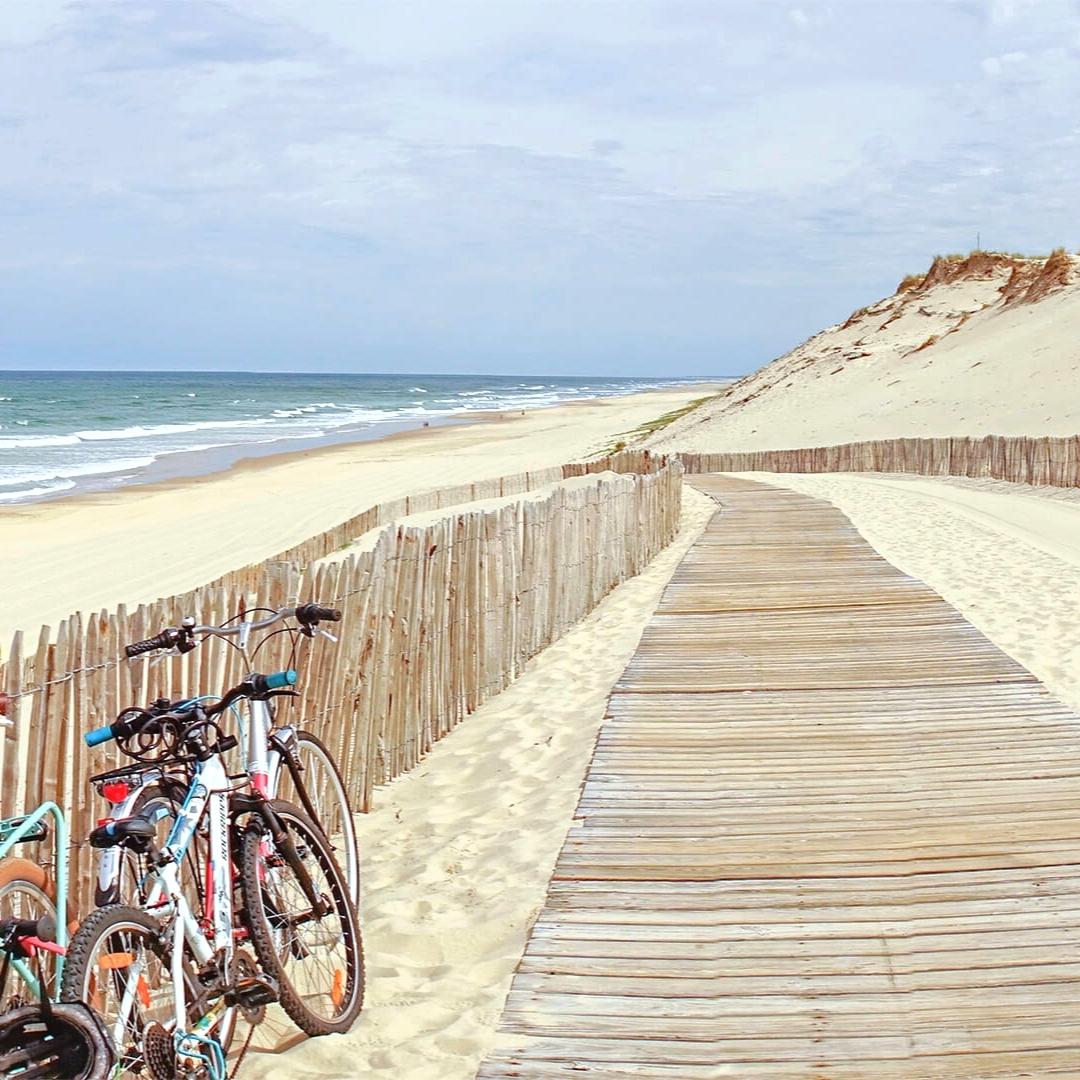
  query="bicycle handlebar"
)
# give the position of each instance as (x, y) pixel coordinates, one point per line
(182, 637)
(169, 638)
(309, 614)
(279, 679)
(129, 722)
(254, 686)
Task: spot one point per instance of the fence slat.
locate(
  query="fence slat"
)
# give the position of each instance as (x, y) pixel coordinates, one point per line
(437, 619)
(1048, 460)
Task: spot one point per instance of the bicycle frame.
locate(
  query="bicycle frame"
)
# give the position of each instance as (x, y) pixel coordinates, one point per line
(13, 830)
(258, 751)
(208, 794)
(264, 767)
(266, 749)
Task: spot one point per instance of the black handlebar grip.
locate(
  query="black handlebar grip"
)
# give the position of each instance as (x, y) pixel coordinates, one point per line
(42, 928)
(165, 640)
(45, 928)
(313, 613)
(140, 647)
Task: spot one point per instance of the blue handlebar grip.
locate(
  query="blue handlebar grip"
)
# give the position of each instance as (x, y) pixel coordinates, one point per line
(280, 679)
(96, 738)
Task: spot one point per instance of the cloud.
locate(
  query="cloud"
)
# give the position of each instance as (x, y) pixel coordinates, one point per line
(542, 182)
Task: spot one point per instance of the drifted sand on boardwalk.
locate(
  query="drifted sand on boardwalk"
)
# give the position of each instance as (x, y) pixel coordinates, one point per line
(457, 853)
(136, 544)
(1007, 556)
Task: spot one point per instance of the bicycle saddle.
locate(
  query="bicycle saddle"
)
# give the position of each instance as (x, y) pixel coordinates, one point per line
(133, 831)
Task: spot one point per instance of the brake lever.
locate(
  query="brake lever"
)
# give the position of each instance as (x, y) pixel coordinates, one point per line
(155, 660)
(327, 634)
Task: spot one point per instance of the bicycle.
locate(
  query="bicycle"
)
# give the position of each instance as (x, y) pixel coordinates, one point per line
(39, 1036)
(168, 983)
(281, 760)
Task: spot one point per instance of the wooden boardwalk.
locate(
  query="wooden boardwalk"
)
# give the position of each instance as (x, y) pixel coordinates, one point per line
(829, 830)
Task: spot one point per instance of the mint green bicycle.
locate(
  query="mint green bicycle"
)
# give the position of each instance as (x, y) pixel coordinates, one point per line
(40, 1037)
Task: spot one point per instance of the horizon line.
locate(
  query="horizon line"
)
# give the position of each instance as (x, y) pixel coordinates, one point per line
(308, 374)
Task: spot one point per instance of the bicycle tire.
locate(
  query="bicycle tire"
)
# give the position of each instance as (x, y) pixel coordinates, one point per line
(324, 784)
(66, 1042)
(82, 979)
(264, 879)
(26, 880)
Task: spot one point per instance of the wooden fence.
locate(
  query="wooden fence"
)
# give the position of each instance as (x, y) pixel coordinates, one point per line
(435, 621)
(1043, 460)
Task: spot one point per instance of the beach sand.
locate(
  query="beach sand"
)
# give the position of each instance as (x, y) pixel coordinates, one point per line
(139, 543)
(457, 853)
(1007, 556)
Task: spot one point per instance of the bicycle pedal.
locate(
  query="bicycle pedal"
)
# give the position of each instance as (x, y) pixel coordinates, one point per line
(253, 992)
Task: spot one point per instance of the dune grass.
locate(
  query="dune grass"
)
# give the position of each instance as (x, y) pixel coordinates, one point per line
(651, 427)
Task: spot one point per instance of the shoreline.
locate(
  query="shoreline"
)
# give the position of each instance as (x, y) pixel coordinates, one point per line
(257, 457)
(183, 465)
(197, 462)
(134, 544)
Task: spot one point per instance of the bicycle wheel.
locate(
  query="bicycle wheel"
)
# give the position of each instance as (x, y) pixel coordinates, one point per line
(317, 960)
(118, 963)
(325, 788)
(27, 892)
(160, 801)
(63, 1041)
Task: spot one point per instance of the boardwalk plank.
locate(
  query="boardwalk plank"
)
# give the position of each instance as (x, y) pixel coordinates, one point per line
(829, 830)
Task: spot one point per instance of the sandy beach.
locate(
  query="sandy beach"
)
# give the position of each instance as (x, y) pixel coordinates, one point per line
(457, 853)
(139, 543)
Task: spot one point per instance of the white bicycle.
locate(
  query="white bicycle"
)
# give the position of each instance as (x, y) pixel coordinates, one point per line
(168, 977)
(283, 761)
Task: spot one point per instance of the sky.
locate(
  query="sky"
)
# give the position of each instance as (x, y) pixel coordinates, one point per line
(659, 187)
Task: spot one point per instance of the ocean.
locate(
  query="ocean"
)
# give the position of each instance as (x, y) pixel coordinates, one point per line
(63, 432)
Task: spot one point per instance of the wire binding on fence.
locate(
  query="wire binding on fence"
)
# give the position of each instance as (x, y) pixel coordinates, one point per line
(436, 619)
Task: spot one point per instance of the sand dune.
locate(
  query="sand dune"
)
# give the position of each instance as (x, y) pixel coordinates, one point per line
(984, 345)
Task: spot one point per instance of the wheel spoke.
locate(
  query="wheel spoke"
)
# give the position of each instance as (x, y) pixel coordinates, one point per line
(316, 952)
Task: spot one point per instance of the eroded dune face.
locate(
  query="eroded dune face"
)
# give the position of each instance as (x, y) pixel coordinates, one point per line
(987, 344)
